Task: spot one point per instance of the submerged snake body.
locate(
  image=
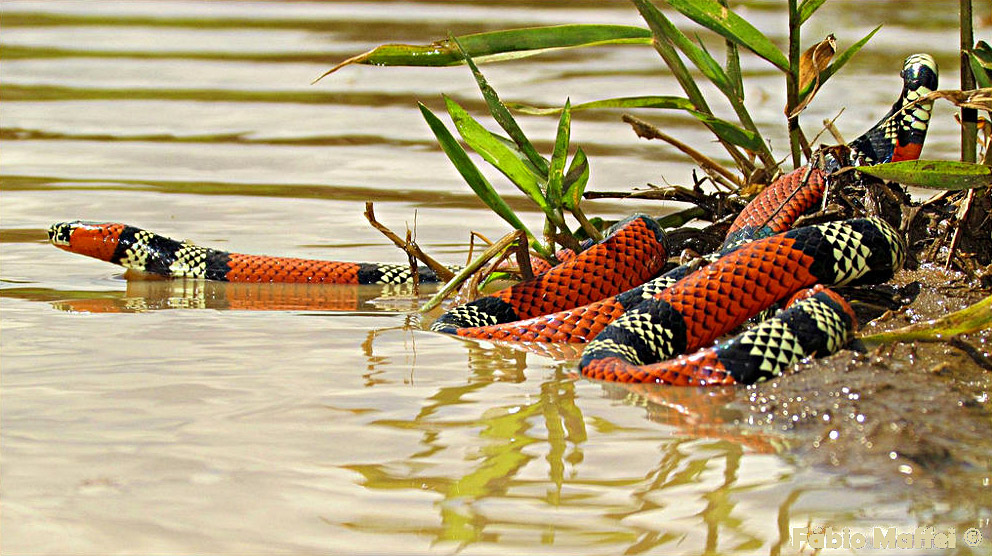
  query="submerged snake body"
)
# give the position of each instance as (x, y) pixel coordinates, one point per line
(635, 330)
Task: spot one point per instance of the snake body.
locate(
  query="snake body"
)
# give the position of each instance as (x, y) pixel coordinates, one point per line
(802, 188)
(606, 294)
(717, 298)
(149, 252)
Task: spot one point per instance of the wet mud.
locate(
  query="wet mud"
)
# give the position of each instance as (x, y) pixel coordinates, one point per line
(916, 414)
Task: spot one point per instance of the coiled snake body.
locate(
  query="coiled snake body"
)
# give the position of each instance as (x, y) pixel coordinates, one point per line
(607, 295)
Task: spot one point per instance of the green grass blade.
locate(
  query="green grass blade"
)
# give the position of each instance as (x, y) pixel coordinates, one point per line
(509, 144)
(710, 67)
(733, 69)
(660, 26)
(948, 175)
(576, 180)
(732, 133)
(502, 114)
(981, 64)
(498, 45)
(556, 175)
(470, 172)
(673, 102)
(697, 55)
(970, 319)
(497, 153)
(807, 8)
(839, 62)
(723, 21)
(983, 77)
(983, 52)
(662, 29)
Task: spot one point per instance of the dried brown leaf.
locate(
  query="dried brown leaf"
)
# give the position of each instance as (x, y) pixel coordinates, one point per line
(815, 60)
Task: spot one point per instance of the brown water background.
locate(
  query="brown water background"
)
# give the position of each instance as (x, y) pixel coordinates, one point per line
(134, 423)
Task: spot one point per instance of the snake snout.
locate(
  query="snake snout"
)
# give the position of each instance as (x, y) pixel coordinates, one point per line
(60, 234)
(93, 239)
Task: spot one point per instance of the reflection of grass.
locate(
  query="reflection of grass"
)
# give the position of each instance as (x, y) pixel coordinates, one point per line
(18, 134)
(513, 437)
(470, 483)
(13, 52)
(344, 28)
(299, 191)
(507, 432)
(14, 92)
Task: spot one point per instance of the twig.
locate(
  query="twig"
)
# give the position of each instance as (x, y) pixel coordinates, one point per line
(567, 241)
(484, 274)
(473, 267)
(976, 356)
(414, 267)
(586, 225)
(523, 259)
(962, 222)
(829, 126)
(411, 248)
(710, 166)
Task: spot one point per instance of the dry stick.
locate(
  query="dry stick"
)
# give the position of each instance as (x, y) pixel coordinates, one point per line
(829, 126)
(471, 244)
(481, 276)
(471, 269)
(411, 248)
(977, 356)
(590, 230)
(524, 254)
(710, 166)
(414, 267)
(962, 221)
(523, 257)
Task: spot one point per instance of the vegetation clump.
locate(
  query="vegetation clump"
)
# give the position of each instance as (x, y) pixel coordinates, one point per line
(948, 228)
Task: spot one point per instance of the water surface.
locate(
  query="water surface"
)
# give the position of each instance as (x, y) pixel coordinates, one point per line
(175, 417)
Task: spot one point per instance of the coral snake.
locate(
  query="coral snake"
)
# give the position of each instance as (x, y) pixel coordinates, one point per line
(611, 296)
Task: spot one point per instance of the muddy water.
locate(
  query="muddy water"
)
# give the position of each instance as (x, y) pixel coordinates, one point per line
(171, 417)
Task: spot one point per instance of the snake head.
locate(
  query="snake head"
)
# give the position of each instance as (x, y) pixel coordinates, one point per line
(901, 133)
(94, 239)
(919, 75)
